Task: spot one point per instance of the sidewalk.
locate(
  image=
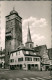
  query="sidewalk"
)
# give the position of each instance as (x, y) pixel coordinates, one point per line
(3, 69)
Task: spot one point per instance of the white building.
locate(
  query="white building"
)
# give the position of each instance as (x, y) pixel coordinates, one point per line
(25, 59)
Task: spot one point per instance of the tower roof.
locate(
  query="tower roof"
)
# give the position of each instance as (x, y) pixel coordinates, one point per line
(29, 35)
(13, 12)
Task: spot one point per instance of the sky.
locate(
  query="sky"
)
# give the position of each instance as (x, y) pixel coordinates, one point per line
(36, 13)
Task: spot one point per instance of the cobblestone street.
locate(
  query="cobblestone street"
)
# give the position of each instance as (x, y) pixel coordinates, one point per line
(24, 75)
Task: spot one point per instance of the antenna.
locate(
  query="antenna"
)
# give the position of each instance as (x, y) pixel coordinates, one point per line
(13, 8)
(28, 24)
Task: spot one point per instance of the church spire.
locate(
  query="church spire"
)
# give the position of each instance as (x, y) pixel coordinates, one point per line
(29, 35)
(29, 43)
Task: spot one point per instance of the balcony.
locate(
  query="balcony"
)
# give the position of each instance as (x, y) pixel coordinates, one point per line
(8, 35)
(3, 55)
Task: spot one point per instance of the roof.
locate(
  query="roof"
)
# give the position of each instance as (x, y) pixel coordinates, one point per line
(32, 55)
(29, 35)
(50, 53)
(13, 12)
(23, 48)
(37, 48)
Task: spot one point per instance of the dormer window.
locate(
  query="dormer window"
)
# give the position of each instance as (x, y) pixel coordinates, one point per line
(30, 45)
(8, 17)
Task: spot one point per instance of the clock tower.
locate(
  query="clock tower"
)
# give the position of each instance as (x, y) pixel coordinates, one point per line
(13, 33)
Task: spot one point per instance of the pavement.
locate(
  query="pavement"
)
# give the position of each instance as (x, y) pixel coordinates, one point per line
(31, 78)
(6, 74)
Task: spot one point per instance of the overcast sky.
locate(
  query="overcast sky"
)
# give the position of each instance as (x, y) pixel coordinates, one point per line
(37, 13)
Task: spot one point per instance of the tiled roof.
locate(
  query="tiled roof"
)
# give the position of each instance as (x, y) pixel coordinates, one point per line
(37, 48)
(23, 48)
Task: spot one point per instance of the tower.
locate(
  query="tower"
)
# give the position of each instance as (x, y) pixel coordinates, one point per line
(29, 43)
(13, 35)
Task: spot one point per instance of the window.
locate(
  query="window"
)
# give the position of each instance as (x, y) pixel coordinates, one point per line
(35, 59)
(12, 54)
(30, 45)
(20, 59)
(12, 60)
(16, 53)
(28, 59)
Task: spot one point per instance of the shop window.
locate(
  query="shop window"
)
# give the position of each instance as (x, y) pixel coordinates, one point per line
(36, 65)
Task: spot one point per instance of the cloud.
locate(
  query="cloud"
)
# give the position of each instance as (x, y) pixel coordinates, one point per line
(38, 37)
(34, 23)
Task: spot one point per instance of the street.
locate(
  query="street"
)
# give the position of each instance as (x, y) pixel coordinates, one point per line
(24, 75)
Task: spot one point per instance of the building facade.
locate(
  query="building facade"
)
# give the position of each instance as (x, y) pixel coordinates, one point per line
(25, 59)
(50, 57)
(42, 51)
(13, 33)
